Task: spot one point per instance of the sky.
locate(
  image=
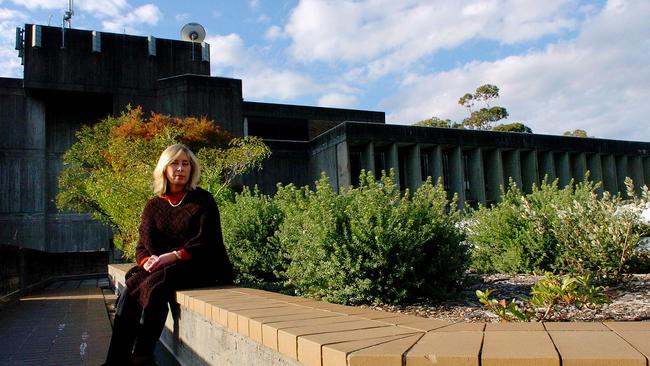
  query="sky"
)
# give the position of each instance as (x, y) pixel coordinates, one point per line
(559, 64)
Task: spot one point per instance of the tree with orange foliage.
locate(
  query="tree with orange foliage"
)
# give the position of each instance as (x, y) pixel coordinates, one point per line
(108, 171)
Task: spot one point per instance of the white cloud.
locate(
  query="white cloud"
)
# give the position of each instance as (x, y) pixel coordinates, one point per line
(338, 100)
(599, 82)
(229, 56)
(42, 4)
(263, 19)
(273, 32)
(225, 51)
(388, 35)
(102, 8)
(147, 14)
(98, 8)
(115, 15)
(182, 17)
(9, 61)
(277, 84)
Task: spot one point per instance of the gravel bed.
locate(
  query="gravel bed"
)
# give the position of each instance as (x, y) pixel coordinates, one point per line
(630, 300)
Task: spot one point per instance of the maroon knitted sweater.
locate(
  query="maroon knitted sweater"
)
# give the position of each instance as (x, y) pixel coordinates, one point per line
(194, 226)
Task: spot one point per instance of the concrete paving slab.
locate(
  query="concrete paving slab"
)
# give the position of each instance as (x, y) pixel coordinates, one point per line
(270, 330)
(462, 327)
(526, 326)
(460, 348)
(290, 312)
(618, 326)
(591, 348)
(384, 354)
(426, 325)
(310, 347)
(576, 326)
(375, 314)
(402, 319)
(67, 324)
(639, 339)
(337, 354)
(514, 348)
(348, 310)
(288, 337)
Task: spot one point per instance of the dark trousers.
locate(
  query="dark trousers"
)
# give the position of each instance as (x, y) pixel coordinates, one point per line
(135, 330)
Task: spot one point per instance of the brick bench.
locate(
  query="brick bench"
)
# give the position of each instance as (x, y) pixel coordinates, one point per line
(242, 326)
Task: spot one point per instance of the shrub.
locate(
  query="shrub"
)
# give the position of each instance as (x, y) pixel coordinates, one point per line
(552, 229)
(600, 235)
(249, 224)
(371, 243)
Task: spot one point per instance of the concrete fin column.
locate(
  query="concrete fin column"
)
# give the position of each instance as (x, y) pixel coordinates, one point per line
(476, 177)
(151, 45)
(456, 174)
(37, 122)
(546, 166)
(435, 163)
(97, 42)
(610, 184)
(392, 162)
(578, 166)
(343, 166)
(595, 167)
(493, 175)
(621, 173)
(511, 167)
(646, 170)
(529, 170)
(563, 168)
(635, 167)
(413, 173)
(368, 158)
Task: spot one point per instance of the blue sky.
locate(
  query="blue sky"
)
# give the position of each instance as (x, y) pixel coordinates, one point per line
(560, 64)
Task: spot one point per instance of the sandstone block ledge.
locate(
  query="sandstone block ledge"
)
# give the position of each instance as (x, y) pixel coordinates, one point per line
(243, 326)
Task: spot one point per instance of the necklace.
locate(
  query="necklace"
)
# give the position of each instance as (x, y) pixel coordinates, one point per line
(179, 202)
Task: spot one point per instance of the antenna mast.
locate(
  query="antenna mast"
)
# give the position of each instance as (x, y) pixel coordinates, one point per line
(67, 16)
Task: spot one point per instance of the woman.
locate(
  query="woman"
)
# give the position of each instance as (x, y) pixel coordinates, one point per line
(180, 246)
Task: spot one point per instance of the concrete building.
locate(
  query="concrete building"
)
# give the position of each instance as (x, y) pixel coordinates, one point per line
(88, 75)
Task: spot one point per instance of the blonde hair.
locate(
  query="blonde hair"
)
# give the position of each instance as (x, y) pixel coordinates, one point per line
(167, 157)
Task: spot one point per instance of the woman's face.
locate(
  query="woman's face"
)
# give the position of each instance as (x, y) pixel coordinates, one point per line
(178, 172)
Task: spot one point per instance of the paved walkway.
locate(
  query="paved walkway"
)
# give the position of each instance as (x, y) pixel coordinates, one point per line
(64, 324)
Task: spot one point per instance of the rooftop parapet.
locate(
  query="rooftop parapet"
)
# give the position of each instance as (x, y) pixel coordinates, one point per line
(82, 60)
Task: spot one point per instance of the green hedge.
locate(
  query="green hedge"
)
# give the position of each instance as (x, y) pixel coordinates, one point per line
(249, 224)
(365, 245)
(568, 229)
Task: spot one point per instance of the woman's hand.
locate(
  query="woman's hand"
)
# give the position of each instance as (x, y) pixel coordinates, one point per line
(156, 262)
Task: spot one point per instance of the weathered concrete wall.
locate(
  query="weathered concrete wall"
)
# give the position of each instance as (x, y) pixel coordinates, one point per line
(22, 268)
(323, 156)
(123, 63)
(319, 119)
(193, 340)
(219, 99)
(288, 163)
(524, 158)
(22, 167)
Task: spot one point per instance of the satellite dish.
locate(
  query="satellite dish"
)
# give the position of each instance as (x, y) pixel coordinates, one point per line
(193, 32)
